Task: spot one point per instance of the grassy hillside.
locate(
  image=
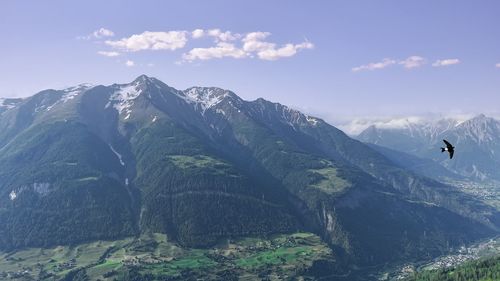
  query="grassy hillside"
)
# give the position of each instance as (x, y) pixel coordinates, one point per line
(154, 257)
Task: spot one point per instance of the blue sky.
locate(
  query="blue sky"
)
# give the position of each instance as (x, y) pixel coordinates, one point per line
(334, 59)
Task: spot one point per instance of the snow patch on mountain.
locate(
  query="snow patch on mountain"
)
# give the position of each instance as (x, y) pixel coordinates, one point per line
(117, 155)
(7, 103)
(294, 117)
(42, 188)
(313, 121)
(291, 116)
(204, 98)
(70, 94)
(12, 195)
(220, 111)
(123, 99)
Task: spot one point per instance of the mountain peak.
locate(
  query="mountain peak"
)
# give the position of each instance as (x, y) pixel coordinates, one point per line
(142, 78)
(83, 86)
(9, 103)
(480, 116)
(206, 97)
(123, 97)
(287, 114)
(479, 119)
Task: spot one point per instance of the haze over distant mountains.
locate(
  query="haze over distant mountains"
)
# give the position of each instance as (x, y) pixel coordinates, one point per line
(201, 164)
(477, 140)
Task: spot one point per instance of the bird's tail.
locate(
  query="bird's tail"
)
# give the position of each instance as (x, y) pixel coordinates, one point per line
(443, 149)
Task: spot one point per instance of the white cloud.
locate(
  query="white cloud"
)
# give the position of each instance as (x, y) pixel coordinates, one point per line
(445, 62)
(497, 65)
(286, 51)
(253, 43)
(221, 50)
(409, 63)
(170, 40)
(215, 33)
(197, 33)
(129, 63)
(256, 36)
(223, 36)
(413, 62)
(98, 34)
(108, 54)
(227, 44)
(375, 65)
(103, 32)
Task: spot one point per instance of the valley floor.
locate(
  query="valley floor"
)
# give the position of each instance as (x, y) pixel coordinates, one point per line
(152, 257)
(483, 249)
(488, 191)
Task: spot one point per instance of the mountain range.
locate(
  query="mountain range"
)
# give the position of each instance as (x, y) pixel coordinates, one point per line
(477, 141)
(202, 164)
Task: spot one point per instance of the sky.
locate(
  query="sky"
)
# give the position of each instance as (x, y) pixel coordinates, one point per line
(339, 60)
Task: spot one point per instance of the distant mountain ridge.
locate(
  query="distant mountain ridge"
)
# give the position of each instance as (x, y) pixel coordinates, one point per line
(477, 141)
(101, 162)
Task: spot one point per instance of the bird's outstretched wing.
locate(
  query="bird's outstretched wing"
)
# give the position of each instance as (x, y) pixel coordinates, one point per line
(451, 153)
(447, 143)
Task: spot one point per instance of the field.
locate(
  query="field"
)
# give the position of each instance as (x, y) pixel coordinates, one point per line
(488, 191)
(199, 162)
(153, 257)
(330, 183)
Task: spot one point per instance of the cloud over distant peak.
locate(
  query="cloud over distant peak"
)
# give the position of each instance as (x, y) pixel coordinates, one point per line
(355, 125)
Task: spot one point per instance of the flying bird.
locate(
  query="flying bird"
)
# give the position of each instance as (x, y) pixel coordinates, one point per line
(450, 148)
